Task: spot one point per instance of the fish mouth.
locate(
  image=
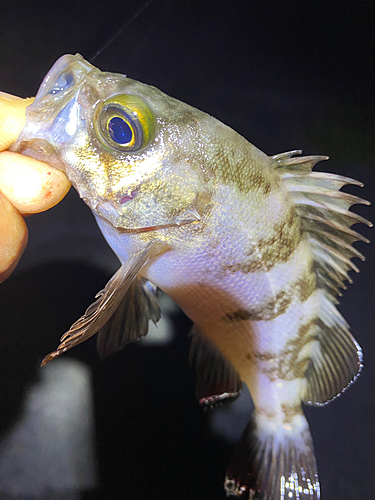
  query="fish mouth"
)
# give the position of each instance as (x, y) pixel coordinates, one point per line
(39, 149)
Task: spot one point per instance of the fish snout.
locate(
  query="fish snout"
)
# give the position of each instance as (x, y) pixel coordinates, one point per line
(39, 149)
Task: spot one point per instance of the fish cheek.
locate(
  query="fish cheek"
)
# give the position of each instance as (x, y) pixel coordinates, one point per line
(84, 168)
(175, 190)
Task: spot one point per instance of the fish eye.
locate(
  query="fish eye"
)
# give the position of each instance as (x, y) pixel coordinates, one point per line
(125, 123)
(63, 82)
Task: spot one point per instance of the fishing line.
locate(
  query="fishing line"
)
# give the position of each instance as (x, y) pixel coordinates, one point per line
(135, 16)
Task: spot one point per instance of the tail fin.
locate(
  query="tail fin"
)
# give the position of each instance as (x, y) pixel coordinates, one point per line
(273, 462)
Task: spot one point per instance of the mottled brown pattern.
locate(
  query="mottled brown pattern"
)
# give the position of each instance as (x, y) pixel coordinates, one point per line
(266, 312)
(289, 366)
(236, 167)
(239, 315)
(264, 356)
(266, 187)
(270, 251)
(306, 284)
(244, 267)
(284, 366)
(268, 414)
(290, 411)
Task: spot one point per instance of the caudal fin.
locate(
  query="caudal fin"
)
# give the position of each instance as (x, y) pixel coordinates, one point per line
(274, 462)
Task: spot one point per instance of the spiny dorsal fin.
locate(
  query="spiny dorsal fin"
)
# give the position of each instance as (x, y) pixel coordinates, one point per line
(216, 379)
(285, 161)
(325, 216)
(130, 321)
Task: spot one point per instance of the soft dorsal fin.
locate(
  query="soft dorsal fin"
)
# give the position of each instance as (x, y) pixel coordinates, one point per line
(216, 379)
(336, 358)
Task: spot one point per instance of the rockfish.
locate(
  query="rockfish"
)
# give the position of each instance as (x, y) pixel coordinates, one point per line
(255, 250)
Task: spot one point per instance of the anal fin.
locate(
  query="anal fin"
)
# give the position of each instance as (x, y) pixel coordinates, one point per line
(216, 379)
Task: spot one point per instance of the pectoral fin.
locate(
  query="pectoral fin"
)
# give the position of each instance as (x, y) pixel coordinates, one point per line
(130, 320)
(108, 300)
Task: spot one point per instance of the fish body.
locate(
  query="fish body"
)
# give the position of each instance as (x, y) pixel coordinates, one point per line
(253, 248)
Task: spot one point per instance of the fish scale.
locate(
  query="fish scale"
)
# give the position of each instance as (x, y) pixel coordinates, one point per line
(255, 249)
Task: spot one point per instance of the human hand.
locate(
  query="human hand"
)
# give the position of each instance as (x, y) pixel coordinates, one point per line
(26, 185)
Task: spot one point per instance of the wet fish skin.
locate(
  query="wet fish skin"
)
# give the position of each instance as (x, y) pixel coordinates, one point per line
(254, 249)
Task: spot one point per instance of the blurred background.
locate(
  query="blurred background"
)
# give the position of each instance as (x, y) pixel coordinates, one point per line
(286, 75)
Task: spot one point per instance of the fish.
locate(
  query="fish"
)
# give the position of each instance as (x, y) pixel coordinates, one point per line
(255, 249)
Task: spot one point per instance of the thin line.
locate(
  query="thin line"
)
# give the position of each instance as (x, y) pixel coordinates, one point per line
(125, 25)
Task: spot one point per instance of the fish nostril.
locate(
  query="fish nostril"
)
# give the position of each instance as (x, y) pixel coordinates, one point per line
(129, 197)
(63, 82)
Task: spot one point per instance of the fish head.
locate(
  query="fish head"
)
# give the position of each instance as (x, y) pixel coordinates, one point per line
(135, 155)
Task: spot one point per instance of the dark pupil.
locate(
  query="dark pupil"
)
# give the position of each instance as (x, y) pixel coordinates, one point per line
(119, 130)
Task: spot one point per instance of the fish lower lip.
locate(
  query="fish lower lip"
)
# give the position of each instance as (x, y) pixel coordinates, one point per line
(39, 149)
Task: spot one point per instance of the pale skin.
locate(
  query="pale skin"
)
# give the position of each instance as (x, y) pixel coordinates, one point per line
(27, 186)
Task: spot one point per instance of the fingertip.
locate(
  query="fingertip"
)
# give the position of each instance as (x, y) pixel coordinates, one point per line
(13, 237)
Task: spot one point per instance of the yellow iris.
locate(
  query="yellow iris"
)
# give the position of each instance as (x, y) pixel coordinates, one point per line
(125, 122)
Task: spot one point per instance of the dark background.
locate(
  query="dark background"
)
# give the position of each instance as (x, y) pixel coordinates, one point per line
(286, 75)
